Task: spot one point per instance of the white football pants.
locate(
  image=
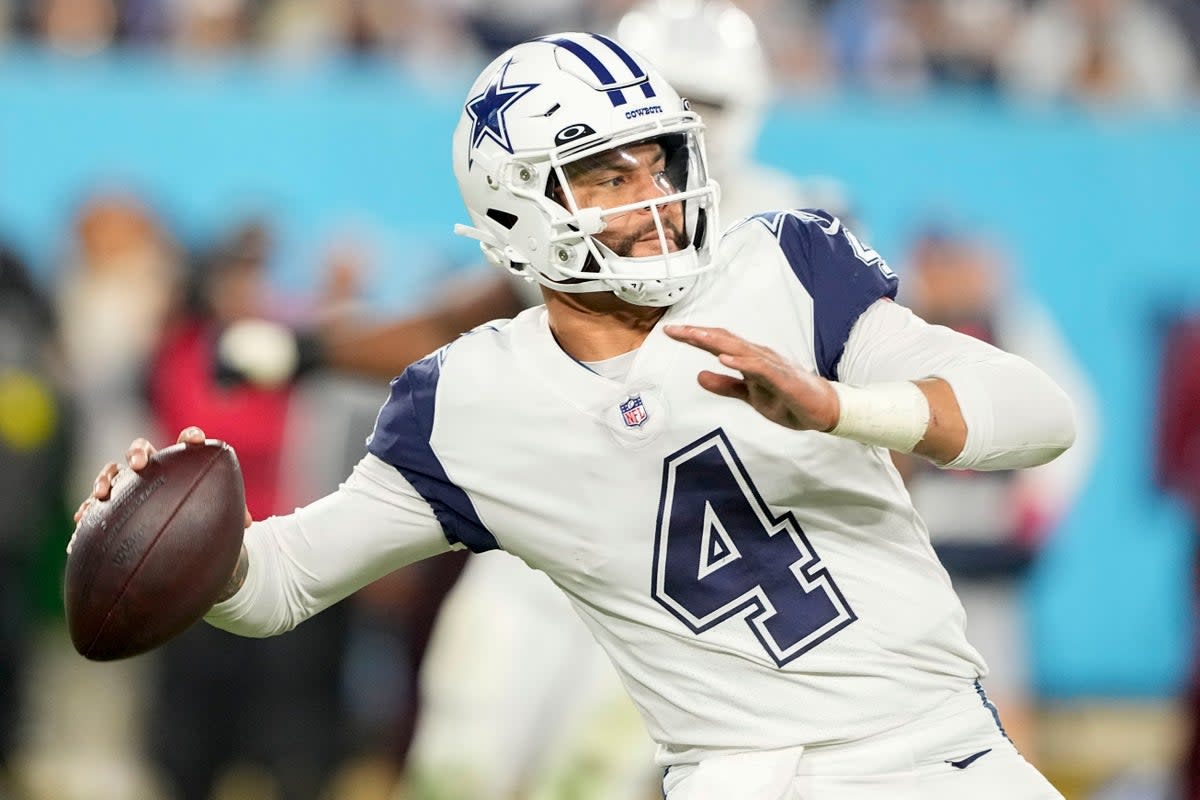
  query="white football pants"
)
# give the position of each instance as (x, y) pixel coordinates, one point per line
(956, 752)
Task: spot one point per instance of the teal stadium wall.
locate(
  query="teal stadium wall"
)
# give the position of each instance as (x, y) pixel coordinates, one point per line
(1097, 208)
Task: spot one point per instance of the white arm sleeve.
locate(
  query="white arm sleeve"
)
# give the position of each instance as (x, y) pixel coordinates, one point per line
(1016, 415)
(306, 561)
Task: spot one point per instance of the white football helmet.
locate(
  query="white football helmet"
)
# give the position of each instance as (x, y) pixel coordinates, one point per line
(543, 112)
(710, 52)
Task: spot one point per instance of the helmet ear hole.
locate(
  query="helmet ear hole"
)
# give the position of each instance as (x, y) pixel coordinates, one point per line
(506, 219)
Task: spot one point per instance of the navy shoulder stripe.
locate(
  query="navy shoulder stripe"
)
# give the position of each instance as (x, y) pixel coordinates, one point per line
(842, 275)
(401, 438)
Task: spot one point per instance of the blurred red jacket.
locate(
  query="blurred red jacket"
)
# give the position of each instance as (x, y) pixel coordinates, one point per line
(184, 391)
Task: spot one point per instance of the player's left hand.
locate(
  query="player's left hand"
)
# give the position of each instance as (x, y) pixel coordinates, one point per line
(777, 389)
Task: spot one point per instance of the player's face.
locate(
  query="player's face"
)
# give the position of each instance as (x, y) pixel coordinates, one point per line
(625, 175)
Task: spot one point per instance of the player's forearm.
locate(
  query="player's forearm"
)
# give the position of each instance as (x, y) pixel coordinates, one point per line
(385, 350)
(920, 417)
(1012, 413)
(946, 434)
(260, 604)
(294, 566)
(997, 412)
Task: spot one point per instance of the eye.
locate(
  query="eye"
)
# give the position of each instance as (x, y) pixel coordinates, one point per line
(612, 182)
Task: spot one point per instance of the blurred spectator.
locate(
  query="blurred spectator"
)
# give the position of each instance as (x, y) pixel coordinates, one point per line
(222, 700)
(964, 40)
(145, 22)
(1101, 51)
(1187, 12)
(499, 24)
(7, 21)
(874, 44)
(120, 280)
(419, 32)
(76, 27)
(987, 527)
(33, 444)
(208, 27)
(367, 26)
(1178, 457)
(117, 282)
(905, 45)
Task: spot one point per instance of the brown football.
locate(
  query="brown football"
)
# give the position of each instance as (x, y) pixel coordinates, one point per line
(149, 561)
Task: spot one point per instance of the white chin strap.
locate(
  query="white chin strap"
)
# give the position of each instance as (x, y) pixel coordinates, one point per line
(657, 291)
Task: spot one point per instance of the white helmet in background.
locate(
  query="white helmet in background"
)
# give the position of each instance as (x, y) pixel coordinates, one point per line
(536, 118)
(710, 52)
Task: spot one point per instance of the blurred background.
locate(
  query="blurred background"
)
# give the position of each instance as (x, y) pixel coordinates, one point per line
(1030, 168)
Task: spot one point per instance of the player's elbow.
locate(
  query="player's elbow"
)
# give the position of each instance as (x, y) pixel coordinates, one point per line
(1038, 430)
(1061, 424)
(1016, 415)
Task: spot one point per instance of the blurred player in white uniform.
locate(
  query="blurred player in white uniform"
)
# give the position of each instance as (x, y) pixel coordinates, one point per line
(690, 440)
(517, 698)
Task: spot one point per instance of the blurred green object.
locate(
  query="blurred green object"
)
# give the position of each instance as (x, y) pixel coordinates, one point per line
(48, 562)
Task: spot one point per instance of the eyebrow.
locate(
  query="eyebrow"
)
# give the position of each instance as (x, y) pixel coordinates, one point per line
(611, 162)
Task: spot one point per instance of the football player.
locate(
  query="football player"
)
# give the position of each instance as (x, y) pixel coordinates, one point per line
(530, 706)
(690, 439)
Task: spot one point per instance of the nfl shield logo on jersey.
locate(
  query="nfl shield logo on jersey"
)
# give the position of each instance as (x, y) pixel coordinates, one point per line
(633, 412)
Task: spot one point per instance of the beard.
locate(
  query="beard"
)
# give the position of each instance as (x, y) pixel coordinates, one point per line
(625, 244)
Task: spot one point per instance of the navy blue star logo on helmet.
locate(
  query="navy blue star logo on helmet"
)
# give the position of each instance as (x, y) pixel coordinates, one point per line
(487, 110)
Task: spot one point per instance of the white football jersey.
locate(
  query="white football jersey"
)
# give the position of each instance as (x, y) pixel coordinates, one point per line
(756, 587)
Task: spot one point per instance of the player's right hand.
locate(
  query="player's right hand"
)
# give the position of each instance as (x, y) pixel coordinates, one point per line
(137, 456)
(774, 387)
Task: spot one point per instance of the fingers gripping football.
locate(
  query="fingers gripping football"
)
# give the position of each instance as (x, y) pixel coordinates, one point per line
(776, 388)
(137, 456)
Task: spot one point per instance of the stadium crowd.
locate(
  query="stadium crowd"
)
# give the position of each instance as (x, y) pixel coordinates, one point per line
(1137, 51)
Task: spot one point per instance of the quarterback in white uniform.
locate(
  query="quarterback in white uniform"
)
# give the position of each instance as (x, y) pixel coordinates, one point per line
(517, 699)
(690, 439)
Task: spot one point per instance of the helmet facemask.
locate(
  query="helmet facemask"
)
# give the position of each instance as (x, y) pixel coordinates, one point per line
(640, 215)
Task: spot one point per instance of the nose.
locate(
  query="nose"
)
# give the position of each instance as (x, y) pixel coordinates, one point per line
(646, 184)
(656, 182)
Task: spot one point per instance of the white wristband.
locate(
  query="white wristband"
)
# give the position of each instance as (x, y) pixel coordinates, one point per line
(892, 415)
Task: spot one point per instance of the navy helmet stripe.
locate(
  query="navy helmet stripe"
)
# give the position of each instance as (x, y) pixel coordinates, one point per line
(623, 54)
(600, 71)
(594, 64)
